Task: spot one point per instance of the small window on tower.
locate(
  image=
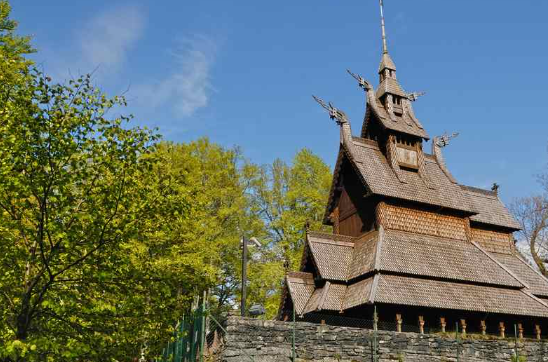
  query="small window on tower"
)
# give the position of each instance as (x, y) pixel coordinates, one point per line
(407, 152)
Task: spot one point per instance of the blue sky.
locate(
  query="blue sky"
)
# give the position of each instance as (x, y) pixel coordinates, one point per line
(242, 72)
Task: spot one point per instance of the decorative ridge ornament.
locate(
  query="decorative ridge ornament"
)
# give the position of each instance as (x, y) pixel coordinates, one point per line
(342, 120)
(363, 84)
(443, 140)
(415, 95)
(438, 143)
(334, 113)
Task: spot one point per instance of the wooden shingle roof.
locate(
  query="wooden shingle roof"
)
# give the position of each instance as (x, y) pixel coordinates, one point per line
(382, 180)
(301, 287)
(420, 292)
(489, 207)
(332, 254)
(401, 124)
(436, 257)
(403, 268)
(406, 253)
(536, 283)
(409, 291)
(390, 85)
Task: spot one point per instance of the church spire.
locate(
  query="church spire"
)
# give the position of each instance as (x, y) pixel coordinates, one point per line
(387, 67)
(384, 46)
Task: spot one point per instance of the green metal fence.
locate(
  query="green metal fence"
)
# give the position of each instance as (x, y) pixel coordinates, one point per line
(188, 339)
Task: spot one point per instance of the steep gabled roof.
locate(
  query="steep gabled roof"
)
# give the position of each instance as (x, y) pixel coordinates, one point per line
(382, 180)
(300, 287)
(401, 124)
(379, 178)
(392, 86)
(386, 62)
(332, 254)
(490, 209)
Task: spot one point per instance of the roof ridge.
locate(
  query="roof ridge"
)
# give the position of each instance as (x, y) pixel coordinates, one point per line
(530, 295)
(330, 236)
(478, 190)
(302, 275)
(530, 267)
(378, 249)
(374, 287)
(500, 264)
(325, 291)
(364, 143)
(345, 244)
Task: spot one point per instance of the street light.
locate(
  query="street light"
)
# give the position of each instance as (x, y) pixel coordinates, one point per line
(245, 243)
(256, 310)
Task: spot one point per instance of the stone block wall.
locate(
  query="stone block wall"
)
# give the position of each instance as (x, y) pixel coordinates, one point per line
(271, 341)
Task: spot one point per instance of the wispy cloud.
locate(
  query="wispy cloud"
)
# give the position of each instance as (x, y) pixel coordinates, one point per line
(188, 85)
(106, 40)
(102, 43)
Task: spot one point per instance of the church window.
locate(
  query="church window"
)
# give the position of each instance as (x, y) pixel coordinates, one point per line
(407, 152)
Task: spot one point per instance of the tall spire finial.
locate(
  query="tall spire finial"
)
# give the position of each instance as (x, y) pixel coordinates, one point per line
(384, 46)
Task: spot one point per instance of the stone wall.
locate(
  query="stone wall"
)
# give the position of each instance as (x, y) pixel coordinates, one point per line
(271, 341)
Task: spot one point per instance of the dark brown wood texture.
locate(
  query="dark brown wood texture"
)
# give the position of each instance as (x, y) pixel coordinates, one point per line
(356, 213)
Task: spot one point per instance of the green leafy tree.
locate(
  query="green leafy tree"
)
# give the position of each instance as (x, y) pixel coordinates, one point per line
(14, 67)
(287, 197)
(184, 251)
(69, 197)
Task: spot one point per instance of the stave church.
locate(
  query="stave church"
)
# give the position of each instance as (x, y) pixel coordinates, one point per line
(410, 244)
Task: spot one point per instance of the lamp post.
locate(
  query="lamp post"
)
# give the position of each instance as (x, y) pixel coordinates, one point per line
(245, 243)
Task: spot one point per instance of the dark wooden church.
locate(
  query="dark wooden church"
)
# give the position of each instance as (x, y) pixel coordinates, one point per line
(408, 238)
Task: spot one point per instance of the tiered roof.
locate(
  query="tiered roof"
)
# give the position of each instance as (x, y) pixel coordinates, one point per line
(403, 268)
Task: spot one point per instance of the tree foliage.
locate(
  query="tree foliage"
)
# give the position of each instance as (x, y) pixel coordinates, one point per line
(288, 199)
(106, 235)
(69, 197)
(532, 215)
(14, 67)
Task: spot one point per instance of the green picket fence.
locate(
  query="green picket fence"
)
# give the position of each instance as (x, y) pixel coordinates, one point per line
(189, 339)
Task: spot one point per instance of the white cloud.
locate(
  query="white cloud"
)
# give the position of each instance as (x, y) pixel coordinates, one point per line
(107, 38)
(103, 43)
(188, 86)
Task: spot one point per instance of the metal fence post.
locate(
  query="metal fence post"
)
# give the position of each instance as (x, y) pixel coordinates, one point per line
(176, 349)
(516, 352)
(203, 329)
(180, 339)
(293, 352)
(375, 328)
(458, 343)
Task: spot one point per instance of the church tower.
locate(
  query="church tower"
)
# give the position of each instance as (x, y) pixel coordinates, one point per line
(409, 240)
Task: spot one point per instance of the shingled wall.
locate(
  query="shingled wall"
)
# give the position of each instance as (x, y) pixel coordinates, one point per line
(270, 341)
